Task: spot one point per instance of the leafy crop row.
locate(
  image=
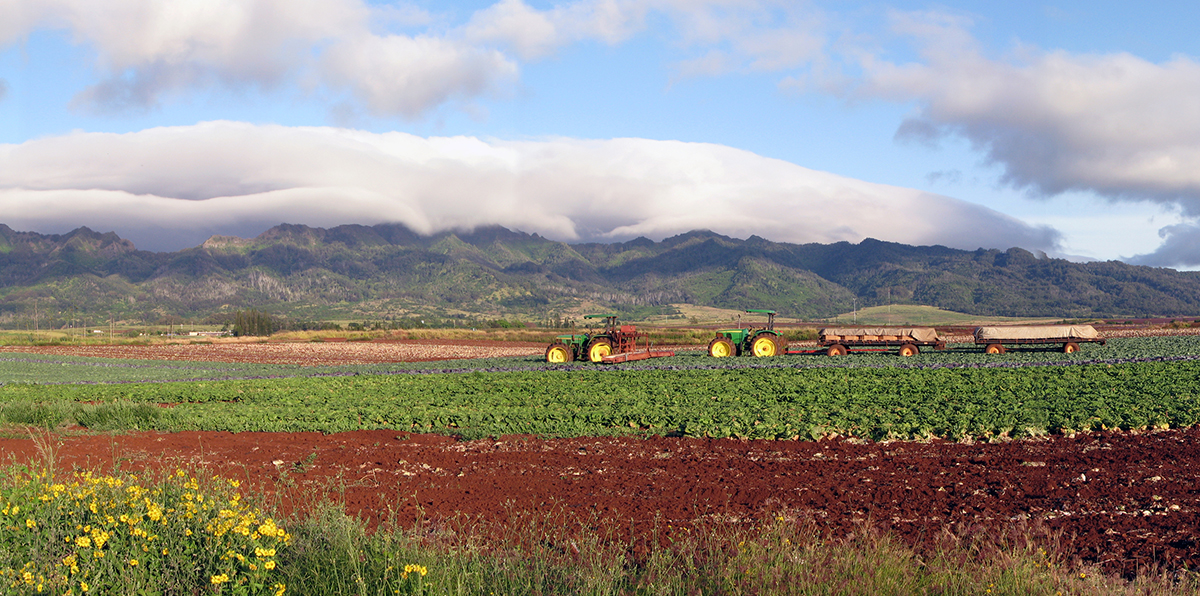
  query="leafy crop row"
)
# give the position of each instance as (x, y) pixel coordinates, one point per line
(875, 403)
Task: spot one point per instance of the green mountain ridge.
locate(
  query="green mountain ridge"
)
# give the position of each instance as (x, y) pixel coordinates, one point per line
(388, 270)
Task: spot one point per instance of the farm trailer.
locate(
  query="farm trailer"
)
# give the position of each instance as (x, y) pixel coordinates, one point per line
(997, 340)
(615, 343)
(907, 341)
(757, 341)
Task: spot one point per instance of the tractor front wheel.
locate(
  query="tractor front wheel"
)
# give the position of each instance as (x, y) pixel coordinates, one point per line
(598, 349)
(1070, 347)
(764, 345)
(559, 353)
(907, 350)
(994, 349)
(836, 350)
(720, 347)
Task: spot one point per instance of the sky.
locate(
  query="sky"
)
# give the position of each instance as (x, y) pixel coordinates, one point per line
(1068, 128)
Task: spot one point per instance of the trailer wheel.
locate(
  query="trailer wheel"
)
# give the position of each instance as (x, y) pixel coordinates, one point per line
(907, 350)
(1070, 347)
(836, 350)
(598, 349)
(559, 353)
(764, 345)
(994, 349)
(720, 347)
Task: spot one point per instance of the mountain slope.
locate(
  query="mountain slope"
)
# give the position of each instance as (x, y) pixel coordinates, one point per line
(356, 271)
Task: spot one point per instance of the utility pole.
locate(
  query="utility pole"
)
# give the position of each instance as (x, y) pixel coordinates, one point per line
(856, 310)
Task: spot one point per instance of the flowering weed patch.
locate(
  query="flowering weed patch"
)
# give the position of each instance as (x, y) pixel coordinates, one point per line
(92, 534)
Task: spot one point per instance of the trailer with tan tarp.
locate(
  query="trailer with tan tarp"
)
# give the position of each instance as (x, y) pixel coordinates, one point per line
(907, 341)
(997, 340)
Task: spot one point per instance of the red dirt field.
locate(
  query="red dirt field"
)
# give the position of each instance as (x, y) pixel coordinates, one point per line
(1126, 501)
(328, 353)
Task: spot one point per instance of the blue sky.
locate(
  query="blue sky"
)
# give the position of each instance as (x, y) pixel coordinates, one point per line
(1070, 128)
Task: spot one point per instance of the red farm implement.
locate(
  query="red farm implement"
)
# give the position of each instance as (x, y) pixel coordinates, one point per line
(614, 344)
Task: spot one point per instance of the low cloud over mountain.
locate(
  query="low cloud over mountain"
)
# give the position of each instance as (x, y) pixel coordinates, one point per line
(169, 188)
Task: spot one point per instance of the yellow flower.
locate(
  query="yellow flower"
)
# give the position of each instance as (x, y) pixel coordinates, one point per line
(269, 565)
(219, 579)
(279, 589)
(133, 562)
(29, 523)
(83, 587)
(83, 542)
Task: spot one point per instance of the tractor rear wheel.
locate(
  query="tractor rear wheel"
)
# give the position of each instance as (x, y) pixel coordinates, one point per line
(559, 353)
(720, 347)
(1070, 347)
(907, 350)
(598, 349)
(836, 350)
(764, 345)
(994, 349)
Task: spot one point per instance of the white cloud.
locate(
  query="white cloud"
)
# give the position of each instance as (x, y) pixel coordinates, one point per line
(147, 51)
(529, 32)
(1180, 247)
(397, 74)
(225, 176)
(1115, 125)
(719, 35)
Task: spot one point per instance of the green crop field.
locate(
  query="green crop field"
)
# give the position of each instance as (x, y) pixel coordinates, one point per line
(1136, 383)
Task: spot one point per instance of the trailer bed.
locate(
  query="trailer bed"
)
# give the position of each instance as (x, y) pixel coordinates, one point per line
(996, 340)
(906, 340)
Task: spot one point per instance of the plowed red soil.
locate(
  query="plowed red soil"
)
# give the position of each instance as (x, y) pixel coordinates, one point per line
(327, 353)
(1123, 500)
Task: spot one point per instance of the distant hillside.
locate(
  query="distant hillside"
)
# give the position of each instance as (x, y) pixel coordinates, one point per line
(382, 271)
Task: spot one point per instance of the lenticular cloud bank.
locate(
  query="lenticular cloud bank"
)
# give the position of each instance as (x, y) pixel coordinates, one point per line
(170, 188)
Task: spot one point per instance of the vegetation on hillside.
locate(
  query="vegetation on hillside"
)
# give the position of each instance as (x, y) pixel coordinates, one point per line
(388, 272)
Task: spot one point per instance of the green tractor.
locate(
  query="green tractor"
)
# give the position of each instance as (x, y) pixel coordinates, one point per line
(594, 346)
(758, 341)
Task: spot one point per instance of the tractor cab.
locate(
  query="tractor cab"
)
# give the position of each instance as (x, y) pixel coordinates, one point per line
(770, 317)
(758, 341)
